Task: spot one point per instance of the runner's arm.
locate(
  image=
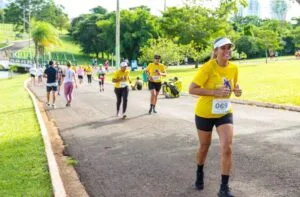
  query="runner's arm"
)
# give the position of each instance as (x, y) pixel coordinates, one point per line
(197, 90)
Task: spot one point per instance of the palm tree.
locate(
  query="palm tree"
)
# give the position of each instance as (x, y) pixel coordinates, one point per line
(44, 35)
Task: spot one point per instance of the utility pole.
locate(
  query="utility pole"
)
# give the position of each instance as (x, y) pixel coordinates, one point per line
(165, 5)
(29, 29)
(24, 20)
(118, 35)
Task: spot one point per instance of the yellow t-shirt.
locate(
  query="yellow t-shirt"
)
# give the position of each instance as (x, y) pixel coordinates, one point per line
(89, 70)
(212, 76)
(151, 68)
(119, 74)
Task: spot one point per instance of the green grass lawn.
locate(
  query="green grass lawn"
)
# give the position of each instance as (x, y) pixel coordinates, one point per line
(3, 45)
(6, 32)
(275, 82)
(24, 170)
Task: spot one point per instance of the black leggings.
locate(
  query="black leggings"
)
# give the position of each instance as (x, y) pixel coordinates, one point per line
(122, 92)
(89, 78)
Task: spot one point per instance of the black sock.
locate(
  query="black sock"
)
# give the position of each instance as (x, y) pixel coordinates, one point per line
(225, 179)
(151, 106)
(200, 168)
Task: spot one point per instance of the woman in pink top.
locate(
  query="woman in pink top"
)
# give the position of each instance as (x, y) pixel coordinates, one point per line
(68, 83)
(80, 73)
(106, 65)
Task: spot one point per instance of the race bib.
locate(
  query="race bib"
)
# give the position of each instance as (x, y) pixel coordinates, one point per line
(155, 78)
(123, 84)
(221, 106)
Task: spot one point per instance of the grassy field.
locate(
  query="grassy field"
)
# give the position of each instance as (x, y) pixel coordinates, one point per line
(6, 33)
(24, 170)
(68, 47)
(275, 82)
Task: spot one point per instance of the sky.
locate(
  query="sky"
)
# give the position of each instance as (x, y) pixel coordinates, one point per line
(83, 6)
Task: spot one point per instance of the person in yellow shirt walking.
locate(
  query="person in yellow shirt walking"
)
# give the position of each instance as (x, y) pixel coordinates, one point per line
(122, 80)
(89, 72)
(154, 72)
(214, 83)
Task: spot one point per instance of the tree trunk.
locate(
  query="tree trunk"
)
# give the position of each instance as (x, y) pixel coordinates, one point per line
(36, 54)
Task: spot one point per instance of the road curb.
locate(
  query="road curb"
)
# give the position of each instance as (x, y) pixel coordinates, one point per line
(267, 105)
(57, 184)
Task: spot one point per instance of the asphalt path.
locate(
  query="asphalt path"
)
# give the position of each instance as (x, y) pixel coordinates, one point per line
(154, 155)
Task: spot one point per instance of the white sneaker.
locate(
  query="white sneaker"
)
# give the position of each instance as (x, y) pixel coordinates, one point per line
(118, 114)
(48, 104)
(53, 105)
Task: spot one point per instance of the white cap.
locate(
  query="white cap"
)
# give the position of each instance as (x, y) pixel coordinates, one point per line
(123, 64)
(222, 42)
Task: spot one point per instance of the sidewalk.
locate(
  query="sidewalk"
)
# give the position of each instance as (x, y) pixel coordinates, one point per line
(153, 155)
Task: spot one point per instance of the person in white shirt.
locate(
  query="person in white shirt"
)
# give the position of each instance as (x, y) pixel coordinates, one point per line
(68, 83)
(101, 77)
(32, 72)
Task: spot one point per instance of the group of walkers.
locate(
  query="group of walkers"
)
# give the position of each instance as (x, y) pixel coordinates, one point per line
(55, 78)
(214, 83)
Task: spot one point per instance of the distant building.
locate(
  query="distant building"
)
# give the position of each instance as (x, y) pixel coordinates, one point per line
(253, 9)
(279, 9)
(275, 9)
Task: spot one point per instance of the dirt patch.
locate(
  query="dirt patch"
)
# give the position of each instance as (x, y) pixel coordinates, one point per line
(70, 179)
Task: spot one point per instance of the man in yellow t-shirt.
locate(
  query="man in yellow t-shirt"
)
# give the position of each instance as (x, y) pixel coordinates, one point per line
(214, 83)
(121, 80)
(154, 72)
(89, 72)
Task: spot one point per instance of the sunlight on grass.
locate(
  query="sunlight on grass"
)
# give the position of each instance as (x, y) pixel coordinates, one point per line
(24, 170)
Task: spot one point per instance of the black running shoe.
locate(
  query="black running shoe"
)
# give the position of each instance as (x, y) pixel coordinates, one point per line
(225, 191)
(199, 183)
(154, 111)
(150, 111)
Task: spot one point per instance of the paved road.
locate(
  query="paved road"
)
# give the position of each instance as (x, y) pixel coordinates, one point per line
(153, 155)
(17, 45)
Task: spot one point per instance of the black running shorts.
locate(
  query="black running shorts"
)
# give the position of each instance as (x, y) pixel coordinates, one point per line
(154, 85)
(207, 124)
(51, 88)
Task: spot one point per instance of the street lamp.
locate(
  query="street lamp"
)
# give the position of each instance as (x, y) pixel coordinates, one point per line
(118, 35)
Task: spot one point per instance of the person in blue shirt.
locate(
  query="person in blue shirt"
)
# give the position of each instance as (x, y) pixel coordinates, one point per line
(51, 86)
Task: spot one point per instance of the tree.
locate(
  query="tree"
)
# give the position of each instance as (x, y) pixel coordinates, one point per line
(267, 39)
(296, 34)
(248, 45)
(2, 13)
(99, 10)
(86, 34)
(44, 35)
(40, 10)
(168, 50)
(137, 27)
